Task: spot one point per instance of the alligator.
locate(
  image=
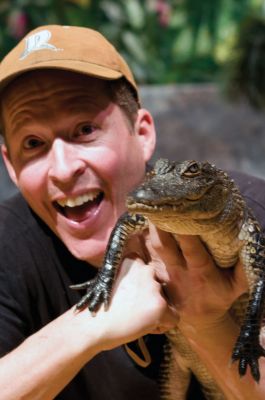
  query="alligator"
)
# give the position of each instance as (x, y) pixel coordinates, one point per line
(194, 198)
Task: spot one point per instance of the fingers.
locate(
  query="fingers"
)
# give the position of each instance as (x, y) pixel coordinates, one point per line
(136, 248)
(194, 285)
(165, 247)
(193, 251)
(130, 266)
(186, 252)
(144, 279)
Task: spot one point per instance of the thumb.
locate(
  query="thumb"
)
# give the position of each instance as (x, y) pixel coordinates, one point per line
(164, 246)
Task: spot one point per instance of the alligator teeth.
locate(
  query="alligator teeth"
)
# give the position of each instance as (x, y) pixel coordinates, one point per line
(78, 200)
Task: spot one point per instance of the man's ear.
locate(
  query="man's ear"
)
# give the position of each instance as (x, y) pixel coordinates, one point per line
(8, 164)
(145, 129)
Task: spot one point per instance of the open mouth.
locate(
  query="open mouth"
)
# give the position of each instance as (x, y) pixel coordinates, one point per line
(81, 207)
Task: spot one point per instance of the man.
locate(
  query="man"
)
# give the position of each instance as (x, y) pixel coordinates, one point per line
(75, 143)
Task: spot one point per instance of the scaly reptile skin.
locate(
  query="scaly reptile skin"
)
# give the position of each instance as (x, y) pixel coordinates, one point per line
(198, 199)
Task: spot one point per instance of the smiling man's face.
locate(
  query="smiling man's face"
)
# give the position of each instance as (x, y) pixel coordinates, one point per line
(73, 155)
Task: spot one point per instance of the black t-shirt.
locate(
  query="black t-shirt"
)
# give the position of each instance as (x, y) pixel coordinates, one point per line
(36, 271)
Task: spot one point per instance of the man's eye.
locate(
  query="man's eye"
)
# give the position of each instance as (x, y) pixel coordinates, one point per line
(85, 130)
(32, 143)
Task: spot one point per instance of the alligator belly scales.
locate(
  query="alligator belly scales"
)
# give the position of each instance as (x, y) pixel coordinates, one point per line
(198, 199)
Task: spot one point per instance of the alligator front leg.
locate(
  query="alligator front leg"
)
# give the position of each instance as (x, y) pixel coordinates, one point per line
(98, 290)
(247, 349)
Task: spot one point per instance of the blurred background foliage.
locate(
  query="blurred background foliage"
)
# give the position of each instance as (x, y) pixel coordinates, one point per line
(164, 41)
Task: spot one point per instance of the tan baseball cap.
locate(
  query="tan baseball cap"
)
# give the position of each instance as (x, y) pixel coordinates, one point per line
(70, 48)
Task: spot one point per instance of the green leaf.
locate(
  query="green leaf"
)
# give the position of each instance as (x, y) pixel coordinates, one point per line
(134, 46)
(113, 11)
(135, 13)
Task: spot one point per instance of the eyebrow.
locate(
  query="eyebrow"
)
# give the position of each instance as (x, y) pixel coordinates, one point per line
(19, 119)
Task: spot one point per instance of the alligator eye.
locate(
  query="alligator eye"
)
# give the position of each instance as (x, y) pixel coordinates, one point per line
(193, 169)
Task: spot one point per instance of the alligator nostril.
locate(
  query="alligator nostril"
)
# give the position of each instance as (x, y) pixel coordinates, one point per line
(140, 194)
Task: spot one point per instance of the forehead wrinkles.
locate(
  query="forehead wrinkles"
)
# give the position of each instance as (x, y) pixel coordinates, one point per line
(34, 99)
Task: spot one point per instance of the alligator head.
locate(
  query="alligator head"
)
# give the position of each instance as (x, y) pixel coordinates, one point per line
(187, 189)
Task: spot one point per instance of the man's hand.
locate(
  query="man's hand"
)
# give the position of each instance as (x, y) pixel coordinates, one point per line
(137, 307)
(201, 292)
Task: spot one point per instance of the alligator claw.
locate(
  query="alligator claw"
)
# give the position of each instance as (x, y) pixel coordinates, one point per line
(99, 297)
(254, 367)
(97, 293)
(84, 302)
(82, 286)
(247, 353)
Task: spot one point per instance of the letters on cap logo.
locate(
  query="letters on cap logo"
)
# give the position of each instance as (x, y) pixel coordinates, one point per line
(38, 41)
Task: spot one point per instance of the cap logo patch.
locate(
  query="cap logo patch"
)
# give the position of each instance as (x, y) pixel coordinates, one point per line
(38, 41)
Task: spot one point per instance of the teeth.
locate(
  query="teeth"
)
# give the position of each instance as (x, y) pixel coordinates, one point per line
(79, 200)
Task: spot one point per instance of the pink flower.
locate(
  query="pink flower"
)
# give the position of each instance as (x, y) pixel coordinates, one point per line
(17, 23)
(163, 10)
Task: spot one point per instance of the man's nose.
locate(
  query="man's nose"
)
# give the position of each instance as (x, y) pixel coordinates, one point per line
(65, 165)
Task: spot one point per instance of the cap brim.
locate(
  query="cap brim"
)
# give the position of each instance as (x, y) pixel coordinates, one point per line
(84, 68)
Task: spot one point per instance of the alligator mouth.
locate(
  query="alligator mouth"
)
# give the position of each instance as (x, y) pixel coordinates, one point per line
(153, 207)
